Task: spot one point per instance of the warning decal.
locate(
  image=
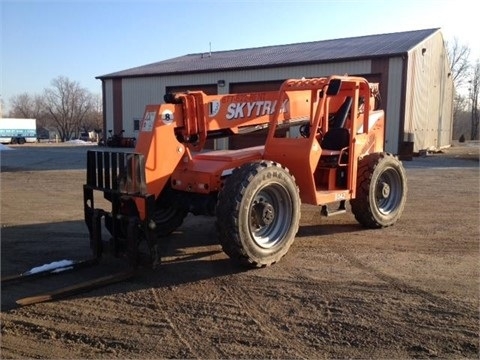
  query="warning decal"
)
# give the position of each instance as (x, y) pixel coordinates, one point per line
(148, 120)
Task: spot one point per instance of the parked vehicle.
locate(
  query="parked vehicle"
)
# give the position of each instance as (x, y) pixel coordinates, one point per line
(118, 140)
(18, 131)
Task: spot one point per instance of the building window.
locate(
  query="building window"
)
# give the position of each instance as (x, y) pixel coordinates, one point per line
(136, 124)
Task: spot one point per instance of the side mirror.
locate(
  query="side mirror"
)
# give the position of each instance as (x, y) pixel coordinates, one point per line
(334, 87)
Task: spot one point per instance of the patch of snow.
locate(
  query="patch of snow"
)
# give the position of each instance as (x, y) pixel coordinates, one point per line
(59, 270)
(80, 142)
(3, 147)
(56, 266)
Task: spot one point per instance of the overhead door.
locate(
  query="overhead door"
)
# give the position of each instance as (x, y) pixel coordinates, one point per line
(209, 89)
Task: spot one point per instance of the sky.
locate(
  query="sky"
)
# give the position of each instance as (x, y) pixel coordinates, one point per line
(82, 39)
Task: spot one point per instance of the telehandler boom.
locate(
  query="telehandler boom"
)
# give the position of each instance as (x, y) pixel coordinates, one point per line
(325, 146)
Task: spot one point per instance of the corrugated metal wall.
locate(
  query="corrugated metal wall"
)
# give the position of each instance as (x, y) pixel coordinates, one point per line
(447, 93)
(393, 104)
(429, 94)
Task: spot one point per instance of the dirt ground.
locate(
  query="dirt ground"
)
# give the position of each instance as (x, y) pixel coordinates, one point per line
(408, 291)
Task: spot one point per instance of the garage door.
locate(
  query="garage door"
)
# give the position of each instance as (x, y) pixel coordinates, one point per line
(209, 89)
(257, 86)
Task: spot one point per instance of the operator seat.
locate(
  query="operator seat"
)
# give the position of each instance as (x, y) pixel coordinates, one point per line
(336, 140)
(337, 137)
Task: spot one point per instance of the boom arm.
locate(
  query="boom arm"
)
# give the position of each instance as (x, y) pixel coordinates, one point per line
(203, 116)
(169, 131)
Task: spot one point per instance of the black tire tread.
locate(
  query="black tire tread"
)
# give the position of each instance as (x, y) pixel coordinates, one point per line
(229, 200)
(361, 207)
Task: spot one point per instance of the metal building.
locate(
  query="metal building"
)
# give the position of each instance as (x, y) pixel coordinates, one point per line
(411, 67)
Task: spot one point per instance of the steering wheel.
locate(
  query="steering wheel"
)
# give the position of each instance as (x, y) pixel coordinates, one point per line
(305, 130)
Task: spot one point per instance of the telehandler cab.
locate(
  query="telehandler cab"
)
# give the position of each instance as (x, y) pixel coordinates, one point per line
(325, 146)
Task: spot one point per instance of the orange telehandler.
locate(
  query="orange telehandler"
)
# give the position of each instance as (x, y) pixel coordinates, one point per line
(325, 146)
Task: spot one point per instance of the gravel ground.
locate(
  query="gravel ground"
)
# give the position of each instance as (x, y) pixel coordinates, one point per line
(407, 291)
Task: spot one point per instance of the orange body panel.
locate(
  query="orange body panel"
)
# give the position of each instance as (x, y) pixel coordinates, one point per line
(158, 143)
(204, 173)
(300, 156)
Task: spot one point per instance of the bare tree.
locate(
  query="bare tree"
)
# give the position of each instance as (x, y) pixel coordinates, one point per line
(460, 104)
(474, 94)
(460, 67)
(68, 105)
(459, 62)
(30, 107)
(94, 118)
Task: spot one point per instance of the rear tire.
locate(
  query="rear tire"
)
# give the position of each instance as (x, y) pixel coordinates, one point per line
(381, 191)
(258, 214)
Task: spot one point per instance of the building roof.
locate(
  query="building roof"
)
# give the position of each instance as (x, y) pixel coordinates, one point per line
(353, 48)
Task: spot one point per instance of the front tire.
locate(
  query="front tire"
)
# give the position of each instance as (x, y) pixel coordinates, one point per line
(258, 213)
(381, 191)
(169, 213)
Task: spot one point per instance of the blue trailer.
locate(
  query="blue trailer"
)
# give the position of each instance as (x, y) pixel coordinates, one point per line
(18, 131)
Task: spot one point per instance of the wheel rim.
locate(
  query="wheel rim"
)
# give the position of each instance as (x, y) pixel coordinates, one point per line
(270, 215)
(388, 191)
